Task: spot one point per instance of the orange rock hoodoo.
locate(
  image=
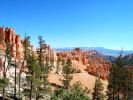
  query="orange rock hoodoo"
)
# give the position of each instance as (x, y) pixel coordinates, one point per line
(8, 35)
(93, 64)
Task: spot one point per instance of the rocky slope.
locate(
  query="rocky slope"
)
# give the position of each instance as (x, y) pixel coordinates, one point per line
(92, 63)
(86, 61)
(90, 58)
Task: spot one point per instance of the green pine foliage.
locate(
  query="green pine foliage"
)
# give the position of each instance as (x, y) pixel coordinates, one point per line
(76, 92)
(26, 45)
(98, 89)
(37, 83)
(37, 69)
(4, 82)
(32, 77)
(68, 92)
(43, 62)
(120, 81)
(67, 74)
(41, 52)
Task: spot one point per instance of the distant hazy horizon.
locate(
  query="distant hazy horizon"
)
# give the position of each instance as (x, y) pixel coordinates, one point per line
(94, 47)
(72, 23)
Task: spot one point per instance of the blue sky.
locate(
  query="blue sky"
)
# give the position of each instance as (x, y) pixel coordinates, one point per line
(72, 23)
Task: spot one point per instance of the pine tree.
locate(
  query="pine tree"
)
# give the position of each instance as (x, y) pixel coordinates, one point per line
(114, 79)
(78, 93)
(33, 74)
(37, 73)
(41, 52)
(129, 87)
(97, 94)
(26, 45)
(43, 62)
(63, 93)
(4, 81)
(120, 81)
(14, 64)
(67, 71)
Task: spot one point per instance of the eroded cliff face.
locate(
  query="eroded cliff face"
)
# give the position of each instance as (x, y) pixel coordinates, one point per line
(94, 65)
(86, 58)
(83, 60)
(17, 47)
(9, 35)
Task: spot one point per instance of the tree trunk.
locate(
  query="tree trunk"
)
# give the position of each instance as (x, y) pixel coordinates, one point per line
(20, 71)
(19, 84)
(113, 94)
(3, 93)
(37, 97)
(31, 87)
(15, 81)
(4, 75)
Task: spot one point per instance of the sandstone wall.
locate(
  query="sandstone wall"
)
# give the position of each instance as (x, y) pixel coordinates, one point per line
(9, 35)
(88, 58)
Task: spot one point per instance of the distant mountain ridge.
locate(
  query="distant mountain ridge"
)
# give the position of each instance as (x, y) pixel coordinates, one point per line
(102, 50)
(128, 59)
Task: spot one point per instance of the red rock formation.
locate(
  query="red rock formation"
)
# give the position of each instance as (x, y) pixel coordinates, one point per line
(99, 66)
(19, 47)
(2, 35)
(93, 64)
(8, 35)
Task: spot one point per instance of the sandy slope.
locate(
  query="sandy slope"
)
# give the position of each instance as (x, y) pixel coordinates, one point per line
(86, 80)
